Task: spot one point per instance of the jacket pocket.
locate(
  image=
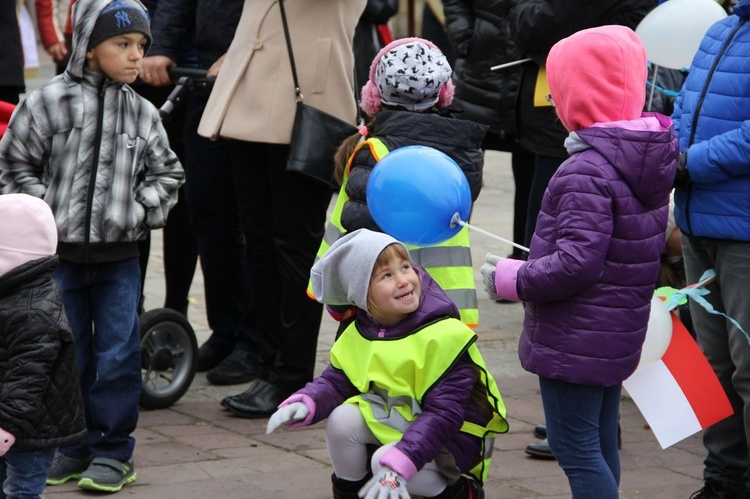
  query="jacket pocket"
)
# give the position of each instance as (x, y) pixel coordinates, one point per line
(124, 215)
(323, 58)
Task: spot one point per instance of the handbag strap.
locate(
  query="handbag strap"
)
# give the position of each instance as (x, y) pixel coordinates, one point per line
(297, 89)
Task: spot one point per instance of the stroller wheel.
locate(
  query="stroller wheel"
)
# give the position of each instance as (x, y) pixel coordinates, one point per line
(169, 356)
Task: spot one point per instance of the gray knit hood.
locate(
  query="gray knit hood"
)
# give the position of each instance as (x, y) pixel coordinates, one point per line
(342, 275)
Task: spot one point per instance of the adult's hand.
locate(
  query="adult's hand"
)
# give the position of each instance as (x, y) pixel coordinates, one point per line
(154, 70)
(213, 71)
(58, 51)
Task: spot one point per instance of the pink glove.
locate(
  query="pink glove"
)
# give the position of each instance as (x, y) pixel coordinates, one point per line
(6, 440)
(506, 275)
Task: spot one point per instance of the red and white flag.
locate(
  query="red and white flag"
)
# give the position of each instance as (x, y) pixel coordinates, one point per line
(679, 395)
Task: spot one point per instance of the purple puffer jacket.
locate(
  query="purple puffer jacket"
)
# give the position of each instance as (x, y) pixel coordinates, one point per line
(444, 408)
(594, 257)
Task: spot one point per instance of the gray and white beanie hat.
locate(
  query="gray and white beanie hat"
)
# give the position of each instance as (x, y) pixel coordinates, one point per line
(411, 75)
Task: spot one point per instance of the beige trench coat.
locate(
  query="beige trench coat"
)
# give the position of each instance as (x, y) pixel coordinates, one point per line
(253, 97)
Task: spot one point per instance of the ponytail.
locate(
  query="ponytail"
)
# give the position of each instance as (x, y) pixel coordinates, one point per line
(347, 148)
(344, 152)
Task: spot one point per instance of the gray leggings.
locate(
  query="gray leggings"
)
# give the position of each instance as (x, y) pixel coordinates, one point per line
(347, 436)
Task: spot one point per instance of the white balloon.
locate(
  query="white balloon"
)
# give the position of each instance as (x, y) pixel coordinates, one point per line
(659, 333)
(673, 31)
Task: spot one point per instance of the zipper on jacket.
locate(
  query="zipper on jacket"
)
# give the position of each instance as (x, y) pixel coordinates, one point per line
(94, 169)
(697, 112)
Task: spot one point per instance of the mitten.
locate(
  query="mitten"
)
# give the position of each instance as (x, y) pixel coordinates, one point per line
(488, 275)
(682, 175)
(386, 484)
(296, 411)
(6, 441)
(506, 275)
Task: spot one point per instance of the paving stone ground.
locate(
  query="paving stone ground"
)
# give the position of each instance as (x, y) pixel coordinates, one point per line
(196, 449)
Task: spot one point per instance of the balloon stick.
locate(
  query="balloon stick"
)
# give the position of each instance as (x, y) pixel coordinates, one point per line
(509, 64)
(653, 87)
(456, 219)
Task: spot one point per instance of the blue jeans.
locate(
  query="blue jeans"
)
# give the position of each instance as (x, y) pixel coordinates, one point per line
(582, 432)
(23, 475)
(101, 302)
(209, 192)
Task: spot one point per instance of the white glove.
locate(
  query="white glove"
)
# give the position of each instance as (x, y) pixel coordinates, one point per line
(387, 484)
(6, 441)
(488, 275)
(296, 411)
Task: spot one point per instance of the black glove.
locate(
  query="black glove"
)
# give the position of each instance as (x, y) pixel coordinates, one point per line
(682, 177)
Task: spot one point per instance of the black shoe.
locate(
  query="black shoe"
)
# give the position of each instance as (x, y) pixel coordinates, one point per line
(716, 490)
(464, 488)
(346, 489)
(210, 354)
(540, 450)
(259, 401)
(240, 366)
(540, 431)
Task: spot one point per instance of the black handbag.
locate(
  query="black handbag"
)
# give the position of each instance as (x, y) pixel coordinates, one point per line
(316, 135)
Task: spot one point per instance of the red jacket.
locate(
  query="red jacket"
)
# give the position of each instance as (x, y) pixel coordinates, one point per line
(48, 31)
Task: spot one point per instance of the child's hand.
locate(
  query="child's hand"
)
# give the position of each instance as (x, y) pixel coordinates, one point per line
(387, 484)
(488, 275)
(296, 411)
(6, 441)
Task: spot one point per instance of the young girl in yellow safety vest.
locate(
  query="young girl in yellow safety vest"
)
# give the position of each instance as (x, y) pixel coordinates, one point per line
(405, 378)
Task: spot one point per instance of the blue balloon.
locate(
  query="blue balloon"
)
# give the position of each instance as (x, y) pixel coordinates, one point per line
(414, 192)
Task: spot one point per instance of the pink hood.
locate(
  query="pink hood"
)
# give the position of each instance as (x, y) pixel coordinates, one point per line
(598, 75)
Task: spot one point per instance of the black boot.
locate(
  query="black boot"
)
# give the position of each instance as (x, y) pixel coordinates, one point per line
(345, 489)
(464, 488)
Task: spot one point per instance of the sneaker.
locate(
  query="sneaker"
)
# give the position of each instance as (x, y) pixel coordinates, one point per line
(65, 468)
(107, 475)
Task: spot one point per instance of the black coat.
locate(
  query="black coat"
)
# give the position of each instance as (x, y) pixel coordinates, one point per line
(478, 31)
(536, 25)
(40, 396)
(366, 42)
(215, 22)
(11, 56)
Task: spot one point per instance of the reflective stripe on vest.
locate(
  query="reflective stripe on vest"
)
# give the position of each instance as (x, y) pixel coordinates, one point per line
(391, 399)
(448, 263)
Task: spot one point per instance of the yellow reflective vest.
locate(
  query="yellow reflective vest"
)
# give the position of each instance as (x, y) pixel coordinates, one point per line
(448, 263)
(394, 374)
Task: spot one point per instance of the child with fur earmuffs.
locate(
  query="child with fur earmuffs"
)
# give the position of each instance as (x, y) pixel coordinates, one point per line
(406, 100)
